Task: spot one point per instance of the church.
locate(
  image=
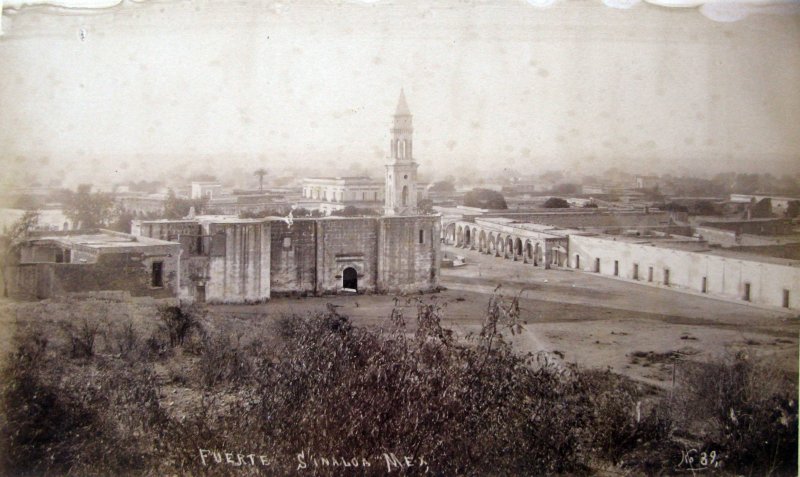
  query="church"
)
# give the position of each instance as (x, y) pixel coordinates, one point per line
(231, 260)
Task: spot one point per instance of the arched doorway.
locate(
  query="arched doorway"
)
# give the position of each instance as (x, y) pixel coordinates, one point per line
(467, 237)
(350, 279)
(405, 196)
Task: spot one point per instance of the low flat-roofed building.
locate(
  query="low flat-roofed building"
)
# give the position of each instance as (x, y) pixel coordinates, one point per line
(54, 263)
(653, 255)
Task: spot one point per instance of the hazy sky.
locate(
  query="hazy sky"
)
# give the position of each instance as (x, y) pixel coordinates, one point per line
(144, 90)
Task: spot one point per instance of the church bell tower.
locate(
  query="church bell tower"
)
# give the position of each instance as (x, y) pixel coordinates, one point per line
(401, 169)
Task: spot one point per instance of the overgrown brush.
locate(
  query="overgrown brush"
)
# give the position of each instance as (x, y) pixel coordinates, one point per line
(335, 390)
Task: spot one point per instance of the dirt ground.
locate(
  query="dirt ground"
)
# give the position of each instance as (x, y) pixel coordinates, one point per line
(637, 330)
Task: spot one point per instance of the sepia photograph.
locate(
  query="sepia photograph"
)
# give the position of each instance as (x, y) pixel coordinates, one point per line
(399, 237)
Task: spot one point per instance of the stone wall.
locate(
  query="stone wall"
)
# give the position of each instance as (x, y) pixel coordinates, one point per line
(405, 264)
(239, 262)
(347, 243)
(293, 257)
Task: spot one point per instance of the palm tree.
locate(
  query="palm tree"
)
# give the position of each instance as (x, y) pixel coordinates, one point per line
(260, 172)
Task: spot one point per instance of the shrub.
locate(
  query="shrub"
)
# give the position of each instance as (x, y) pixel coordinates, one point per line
(82, 338)
(180, 322)
(746, 410)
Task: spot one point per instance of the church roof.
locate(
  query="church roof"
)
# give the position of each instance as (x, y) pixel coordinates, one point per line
(402, 106)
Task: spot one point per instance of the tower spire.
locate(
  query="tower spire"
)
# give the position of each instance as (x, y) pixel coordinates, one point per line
(401, 169)
(402, 106)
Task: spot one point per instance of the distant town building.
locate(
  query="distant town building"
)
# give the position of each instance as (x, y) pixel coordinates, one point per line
(335, 193)
(646, 182)
(208, 190)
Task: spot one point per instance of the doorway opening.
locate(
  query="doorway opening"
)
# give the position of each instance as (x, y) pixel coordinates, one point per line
(350, 279)
(200, 294)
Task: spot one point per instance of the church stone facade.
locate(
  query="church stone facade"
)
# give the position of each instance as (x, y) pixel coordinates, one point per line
(232, 260)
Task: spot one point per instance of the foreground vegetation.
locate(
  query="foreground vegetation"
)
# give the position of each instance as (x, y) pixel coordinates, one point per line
(174, 391)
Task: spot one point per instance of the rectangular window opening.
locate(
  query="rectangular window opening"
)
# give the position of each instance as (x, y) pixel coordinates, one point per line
(421, 236)
(577, 261)
(746, 296)
(597, 265)
(650, 274)
(157, 278)
(635, 271)
(616, 268)
(705, 285)
(666, 276)
(786, 298)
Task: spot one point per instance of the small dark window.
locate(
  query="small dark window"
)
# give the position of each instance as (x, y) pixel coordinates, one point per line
(597, 265)
(616, 268)
(705, 285)
(157, 279)
(786, 298)
(421, 236)
(666, 276)
(650, 274)
(577, 261)
(746, 292)
(635, 271)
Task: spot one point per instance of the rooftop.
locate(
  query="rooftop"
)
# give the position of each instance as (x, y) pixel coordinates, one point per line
(97, 239)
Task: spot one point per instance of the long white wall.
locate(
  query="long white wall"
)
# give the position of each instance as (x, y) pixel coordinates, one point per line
(725, 277)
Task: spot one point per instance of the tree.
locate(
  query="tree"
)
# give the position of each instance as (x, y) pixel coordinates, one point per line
(20, 229)
(27, 202)
(675, 207)
(556, 203)
(589, 205)
(442, 187)
(352, 211)
(88, 210)
(425, 206)
(793, 209)
(485, 199)
(704, 207)
(566, 188)
(178, 208)
(260, 172)
(122, 223)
